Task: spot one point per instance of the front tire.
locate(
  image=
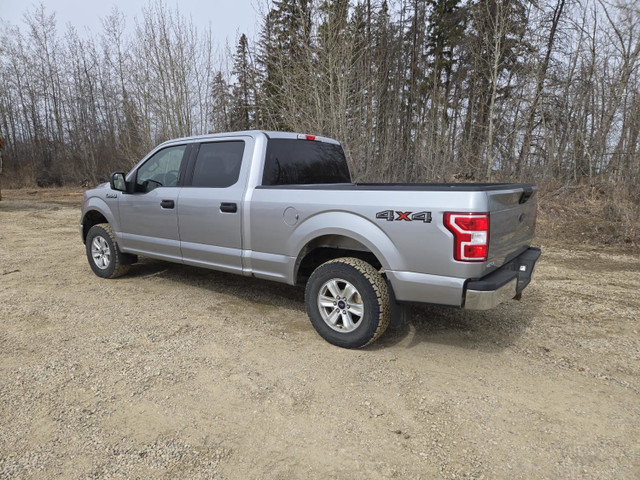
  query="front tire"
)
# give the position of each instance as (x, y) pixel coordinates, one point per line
(103, 254)
(348, 302)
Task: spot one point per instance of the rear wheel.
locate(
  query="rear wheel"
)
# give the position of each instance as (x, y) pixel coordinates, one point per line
(103, 254)
(348, 302)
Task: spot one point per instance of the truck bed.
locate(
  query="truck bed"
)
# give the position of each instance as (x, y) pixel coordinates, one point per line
(417, 252)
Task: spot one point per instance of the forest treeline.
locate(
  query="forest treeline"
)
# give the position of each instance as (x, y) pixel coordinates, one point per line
(417, 90)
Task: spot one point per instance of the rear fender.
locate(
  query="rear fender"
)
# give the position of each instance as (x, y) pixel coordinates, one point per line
(347, 225)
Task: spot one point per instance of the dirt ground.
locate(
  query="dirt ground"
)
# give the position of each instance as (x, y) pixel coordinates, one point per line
(177, 372)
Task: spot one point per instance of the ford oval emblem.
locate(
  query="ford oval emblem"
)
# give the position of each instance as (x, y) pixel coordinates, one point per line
(521, 218)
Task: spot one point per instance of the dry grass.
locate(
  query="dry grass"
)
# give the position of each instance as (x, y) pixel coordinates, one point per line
(60, 195)
(590, 215)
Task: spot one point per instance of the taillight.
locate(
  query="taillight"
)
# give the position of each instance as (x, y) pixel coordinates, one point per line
(470, 235)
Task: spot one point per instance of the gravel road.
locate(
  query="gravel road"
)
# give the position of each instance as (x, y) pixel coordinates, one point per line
(176, 372)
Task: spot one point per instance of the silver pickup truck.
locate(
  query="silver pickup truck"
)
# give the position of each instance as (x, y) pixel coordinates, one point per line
(282, 206)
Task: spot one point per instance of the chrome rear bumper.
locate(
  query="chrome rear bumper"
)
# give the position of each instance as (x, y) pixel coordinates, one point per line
(484, 300)
(503, 284)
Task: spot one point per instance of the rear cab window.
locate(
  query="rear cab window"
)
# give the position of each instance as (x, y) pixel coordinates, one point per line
(304, 162)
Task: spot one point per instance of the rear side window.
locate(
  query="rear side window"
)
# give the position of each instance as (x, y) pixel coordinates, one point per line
(218, 164)
(300, 162)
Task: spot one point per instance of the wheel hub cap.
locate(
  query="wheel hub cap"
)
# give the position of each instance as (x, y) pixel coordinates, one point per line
(100, 252)
(340, 305)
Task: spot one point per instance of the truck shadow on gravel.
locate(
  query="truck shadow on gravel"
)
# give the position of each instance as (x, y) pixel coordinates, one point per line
(488, 331)
(263, 292)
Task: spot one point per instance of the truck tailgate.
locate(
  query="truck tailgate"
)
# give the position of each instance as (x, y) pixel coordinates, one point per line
(513, 219)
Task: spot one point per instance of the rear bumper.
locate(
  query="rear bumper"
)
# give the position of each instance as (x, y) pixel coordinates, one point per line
(502, 284)
(413, 287)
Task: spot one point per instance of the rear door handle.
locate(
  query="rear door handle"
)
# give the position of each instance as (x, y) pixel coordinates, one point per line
(228, 207)
(167, 204)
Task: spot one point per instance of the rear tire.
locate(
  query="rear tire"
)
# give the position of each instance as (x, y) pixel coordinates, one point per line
(105, 259)
(348, 302)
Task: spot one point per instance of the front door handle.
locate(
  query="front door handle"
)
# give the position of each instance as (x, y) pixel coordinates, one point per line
(228, 207)
(167, 204)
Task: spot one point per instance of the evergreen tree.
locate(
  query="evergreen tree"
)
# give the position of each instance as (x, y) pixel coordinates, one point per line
(445, 31)
(242, 113)
(494, 48)
(284, 43)
(219, 114)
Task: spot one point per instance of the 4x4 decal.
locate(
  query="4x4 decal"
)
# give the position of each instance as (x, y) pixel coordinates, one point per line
(394, 215)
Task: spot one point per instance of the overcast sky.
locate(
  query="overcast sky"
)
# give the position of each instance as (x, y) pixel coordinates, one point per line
(227, 18)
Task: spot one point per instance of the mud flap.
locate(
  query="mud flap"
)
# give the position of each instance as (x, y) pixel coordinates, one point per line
(399, 311)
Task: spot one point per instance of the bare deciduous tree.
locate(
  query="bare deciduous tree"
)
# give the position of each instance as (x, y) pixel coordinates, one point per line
(417, 90)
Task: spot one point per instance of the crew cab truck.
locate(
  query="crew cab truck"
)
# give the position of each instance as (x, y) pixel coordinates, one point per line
(282, 206)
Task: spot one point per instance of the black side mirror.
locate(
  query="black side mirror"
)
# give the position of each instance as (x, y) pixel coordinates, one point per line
(118, 182)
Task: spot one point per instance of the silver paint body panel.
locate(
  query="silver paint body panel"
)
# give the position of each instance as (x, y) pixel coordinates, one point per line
(260, 239)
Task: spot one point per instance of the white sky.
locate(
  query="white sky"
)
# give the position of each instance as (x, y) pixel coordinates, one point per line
(227, 18)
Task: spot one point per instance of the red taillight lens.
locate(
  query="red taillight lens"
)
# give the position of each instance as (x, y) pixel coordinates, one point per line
(470, 235)
(472, 223)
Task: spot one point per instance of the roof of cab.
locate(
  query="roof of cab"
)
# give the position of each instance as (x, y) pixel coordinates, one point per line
(250, 133)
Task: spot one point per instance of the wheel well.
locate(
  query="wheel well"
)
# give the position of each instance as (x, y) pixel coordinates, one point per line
(90, 219)
(328, 247)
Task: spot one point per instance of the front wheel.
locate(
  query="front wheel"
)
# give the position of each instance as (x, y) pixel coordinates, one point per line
(348, 302)
(103, 254)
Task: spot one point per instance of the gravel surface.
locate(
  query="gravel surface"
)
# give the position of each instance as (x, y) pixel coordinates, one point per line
(177, 372)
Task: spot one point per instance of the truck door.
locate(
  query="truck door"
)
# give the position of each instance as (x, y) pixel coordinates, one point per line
(148, 215)
(210, 204)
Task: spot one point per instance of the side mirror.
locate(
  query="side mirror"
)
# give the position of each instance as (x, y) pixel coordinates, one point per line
(117, 182)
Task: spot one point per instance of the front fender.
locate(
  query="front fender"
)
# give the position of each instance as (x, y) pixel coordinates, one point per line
(349, 225)
(97, 204)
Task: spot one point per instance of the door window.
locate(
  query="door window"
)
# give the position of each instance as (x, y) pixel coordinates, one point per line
(218, 164)
(161, 170)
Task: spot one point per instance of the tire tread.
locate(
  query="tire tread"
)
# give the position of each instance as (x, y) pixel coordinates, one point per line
(120, 268)
(379, 285)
